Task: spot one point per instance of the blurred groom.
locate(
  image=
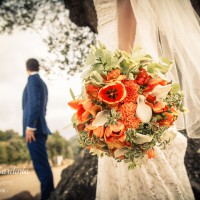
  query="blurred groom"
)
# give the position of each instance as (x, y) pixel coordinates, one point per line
(35, 128)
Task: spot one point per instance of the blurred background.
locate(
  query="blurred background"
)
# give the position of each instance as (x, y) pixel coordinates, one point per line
(59, 34)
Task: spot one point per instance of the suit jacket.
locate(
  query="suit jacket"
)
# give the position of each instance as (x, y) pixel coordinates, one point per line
(34, 104)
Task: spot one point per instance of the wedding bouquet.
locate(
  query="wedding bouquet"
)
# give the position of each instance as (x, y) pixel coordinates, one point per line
(127, 105)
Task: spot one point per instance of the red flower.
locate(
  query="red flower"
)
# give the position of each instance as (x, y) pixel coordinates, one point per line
(143, 77)
(112, 93)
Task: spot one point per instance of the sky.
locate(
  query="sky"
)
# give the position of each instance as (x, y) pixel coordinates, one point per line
(15, 49)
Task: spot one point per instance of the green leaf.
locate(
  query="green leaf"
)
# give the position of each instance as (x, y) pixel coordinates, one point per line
(74, 119)
(175, 88)
(96, 76)
(90, 58)
(167, 61)
(72, 94)
(97, 67)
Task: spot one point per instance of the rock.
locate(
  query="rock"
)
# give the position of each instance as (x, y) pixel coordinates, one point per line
(25, 195)
(196, 5)
(82, 13)
(78, 181)
(192, 163)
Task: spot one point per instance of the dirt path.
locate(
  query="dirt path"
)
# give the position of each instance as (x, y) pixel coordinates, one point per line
(13, 184)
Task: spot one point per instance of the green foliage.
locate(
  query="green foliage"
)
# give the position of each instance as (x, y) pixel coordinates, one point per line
(3, 153)
(113, 118)
(20, 14)
(7, 135)
(57, 145)
(13, 148)
(75, 147)
(176, 99)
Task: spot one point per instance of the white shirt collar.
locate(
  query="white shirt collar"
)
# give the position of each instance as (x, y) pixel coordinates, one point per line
(33, 73)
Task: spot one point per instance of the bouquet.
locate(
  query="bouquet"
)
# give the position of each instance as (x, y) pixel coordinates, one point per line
(127, 105)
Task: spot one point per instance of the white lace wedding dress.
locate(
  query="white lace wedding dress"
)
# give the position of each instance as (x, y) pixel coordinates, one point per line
(163, 178)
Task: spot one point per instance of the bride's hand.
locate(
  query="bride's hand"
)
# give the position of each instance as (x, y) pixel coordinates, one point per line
(126, 25)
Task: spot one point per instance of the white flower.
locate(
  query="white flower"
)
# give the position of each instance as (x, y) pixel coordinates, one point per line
(141, 139)
(119, 152)
(143, 111)
(101, 118)
(95, 151)
(169, 134)
(161, 92)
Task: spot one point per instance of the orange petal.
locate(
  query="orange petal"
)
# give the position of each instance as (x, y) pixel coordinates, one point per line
(167, 122)
(160, 107)
(156, 81)
(80, 127)
(108, 131)
(95, 109)
(151, 153)
(117, 127)
(99, 132)
(122, 138)
(87, 104)
(80, 113)
(121, 77)
(111, 145)
(150, 98)
(86, 116)
(75, 104)
(174, 111)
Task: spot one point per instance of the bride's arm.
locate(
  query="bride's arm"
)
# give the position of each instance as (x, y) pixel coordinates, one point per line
(126, 25)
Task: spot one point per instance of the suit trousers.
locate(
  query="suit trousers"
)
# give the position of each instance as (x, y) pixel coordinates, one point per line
(38, 153)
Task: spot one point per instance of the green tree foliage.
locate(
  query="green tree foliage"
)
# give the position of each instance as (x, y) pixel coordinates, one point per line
(75, 147)
(3, 153)
(57, 145)
(4, 136)
(13, 147)
(68, 45)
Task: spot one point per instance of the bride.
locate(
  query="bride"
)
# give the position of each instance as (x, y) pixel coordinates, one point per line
(163, 28)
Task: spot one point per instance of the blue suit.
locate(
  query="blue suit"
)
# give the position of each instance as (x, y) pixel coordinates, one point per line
(34, 102)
